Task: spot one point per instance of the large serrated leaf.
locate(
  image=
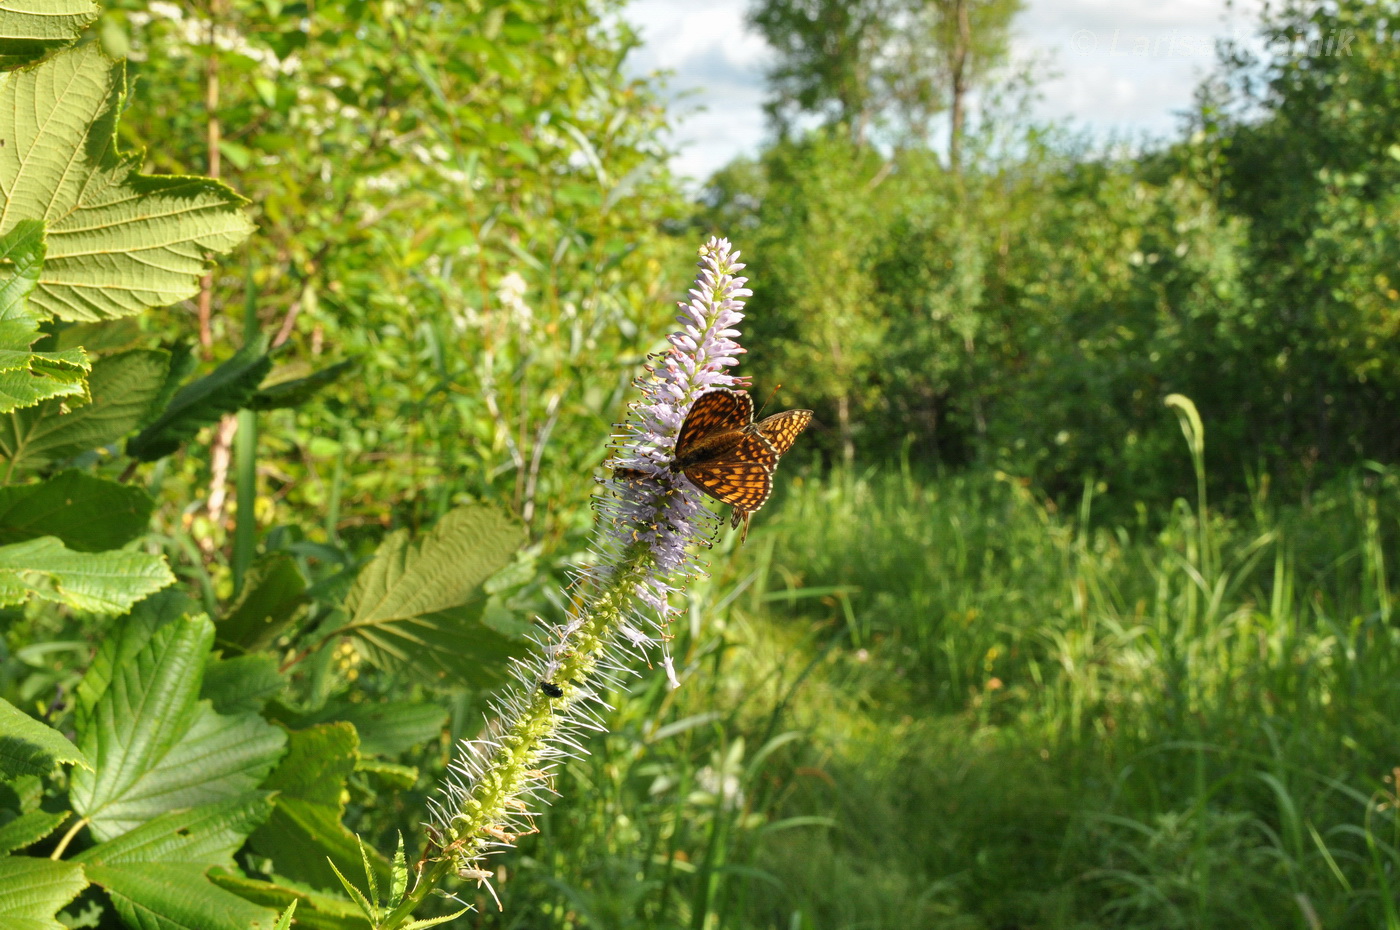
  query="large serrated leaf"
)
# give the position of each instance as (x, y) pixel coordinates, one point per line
(273, 593)
(101, 582)
(122, 642)
(305, 829)
(420, 603)
(156, 870)
(156, 747)
(202, 403)
(172, 896)
(28, 829)
(30, 29)
(121, 387)
(28, 747)
(206, 835)
(32, 891)
(87, 513)
(119, 242)
(28, 377)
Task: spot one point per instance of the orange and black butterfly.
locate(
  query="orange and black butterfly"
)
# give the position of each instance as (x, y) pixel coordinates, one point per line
(730, 457)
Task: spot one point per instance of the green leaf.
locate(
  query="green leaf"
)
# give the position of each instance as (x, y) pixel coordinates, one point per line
(119, 242)
(294, 392)
(400, 875)
(273, 593)
(175, 849)
(316, 911)
(304, 830)
(121, 387)
(28, 829)
(28, 377)
(420, 603)
(202, 403)
(30, 29)
(87, 513)
(122, 644)
(206, 835)
(175, 896)
(392, 774)
(433, 921)
(100, 582)
(28, 747)
(33, 890)
(106, 336)
(384, 728)
(155, 746)
(358, 896)
(284, 921)
(183, 362)
(241, 685)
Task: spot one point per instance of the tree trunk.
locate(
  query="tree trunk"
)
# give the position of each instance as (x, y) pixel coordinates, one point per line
(960, 82)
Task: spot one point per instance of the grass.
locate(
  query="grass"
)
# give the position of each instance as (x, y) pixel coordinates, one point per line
(942, 703)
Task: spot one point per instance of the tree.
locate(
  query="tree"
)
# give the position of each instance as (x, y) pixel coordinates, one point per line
(888, 65)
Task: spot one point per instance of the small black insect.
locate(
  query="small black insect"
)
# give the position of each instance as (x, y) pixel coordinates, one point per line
(551, 689)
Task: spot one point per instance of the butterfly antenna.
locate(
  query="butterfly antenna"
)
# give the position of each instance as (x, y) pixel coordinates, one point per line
(771, 394)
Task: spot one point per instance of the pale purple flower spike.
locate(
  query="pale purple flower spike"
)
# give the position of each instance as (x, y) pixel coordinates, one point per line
(664, 510)
(649, 529)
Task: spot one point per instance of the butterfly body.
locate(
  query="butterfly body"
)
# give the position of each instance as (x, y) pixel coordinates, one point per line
(728, 455)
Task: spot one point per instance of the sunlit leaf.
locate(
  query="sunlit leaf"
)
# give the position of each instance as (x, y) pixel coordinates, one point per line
(27, 377)
(30, 29)
(29, 747)
(122, 388)
(118, 241)
(420, 602)
(156, 746)
(32, 890)
(101, 582)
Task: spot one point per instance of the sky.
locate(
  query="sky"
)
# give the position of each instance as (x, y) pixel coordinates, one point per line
(1116, 69)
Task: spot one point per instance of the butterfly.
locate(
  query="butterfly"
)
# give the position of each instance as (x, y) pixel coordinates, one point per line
(730, 457)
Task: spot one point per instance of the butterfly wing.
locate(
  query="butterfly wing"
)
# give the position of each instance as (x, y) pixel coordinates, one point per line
(782, 429)
(742, 477)
(714, 411)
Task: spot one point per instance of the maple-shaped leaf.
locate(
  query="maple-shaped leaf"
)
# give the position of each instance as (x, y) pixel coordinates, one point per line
(118, 241)
(28, 377)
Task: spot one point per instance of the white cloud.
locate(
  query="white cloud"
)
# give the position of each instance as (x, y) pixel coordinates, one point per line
(1119, 69)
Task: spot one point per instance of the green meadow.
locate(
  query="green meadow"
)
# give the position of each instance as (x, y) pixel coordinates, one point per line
(329, 581)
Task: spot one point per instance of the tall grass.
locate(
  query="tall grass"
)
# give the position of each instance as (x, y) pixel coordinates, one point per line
(919, 701)
(1189, 722)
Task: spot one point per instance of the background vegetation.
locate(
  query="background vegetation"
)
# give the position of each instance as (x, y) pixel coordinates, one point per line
(1073, 610)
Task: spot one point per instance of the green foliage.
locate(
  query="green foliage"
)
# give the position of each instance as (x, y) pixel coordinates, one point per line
(29, 29)
(987, 713)
(121, 389)
(31, 748)
(421, 604)
(191, 808)
(99, 582)
(28, 377)
(33, 890)
(86, 513)
(272, 595)
(118, 242)
(310, 785)
(202, 402)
